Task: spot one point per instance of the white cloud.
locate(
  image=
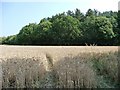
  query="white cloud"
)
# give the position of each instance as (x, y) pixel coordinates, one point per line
(104, 5)
(40, 0)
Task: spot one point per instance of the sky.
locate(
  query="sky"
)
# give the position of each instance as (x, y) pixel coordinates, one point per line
(15, 14)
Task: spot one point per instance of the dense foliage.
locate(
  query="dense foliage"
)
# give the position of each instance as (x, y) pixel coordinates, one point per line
(71, 28)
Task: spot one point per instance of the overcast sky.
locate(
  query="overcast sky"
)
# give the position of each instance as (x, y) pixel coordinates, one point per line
(14, 14)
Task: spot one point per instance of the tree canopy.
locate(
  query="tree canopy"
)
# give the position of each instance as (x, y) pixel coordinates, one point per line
(70, 28)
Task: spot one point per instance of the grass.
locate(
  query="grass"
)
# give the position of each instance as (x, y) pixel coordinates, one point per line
(106, 66)
(75, 72)
(59, 67)
(22, 72)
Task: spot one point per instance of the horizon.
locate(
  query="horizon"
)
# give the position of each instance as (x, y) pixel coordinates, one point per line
(15, 15)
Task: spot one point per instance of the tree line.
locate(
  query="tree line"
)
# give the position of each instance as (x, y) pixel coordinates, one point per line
(70, 28)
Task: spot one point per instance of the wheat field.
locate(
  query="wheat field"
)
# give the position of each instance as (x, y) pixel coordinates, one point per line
(58, 66)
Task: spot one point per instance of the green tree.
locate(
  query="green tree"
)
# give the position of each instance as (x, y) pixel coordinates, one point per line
(9, 40)
(25, 35)
(118, 20)
(109, 14)
(79, 15)
(97, 30)
(71, 28)
(90, 12)
(42, 33)
(88, 31)
(70, 13)
(112, 16)
(104, 27)
(0, 40)
(65, 30)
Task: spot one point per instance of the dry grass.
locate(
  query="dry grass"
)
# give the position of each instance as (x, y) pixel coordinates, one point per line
(0, 74)
(88, 70)
(22, 67)
(75, 72)
(22, 72)
(106, 65)
(68, 67)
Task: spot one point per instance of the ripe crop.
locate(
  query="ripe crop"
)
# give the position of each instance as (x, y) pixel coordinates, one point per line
(58, 67)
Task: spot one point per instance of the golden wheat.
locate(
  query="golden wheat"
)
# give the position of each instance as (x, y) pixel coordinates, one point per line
(69, 67)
